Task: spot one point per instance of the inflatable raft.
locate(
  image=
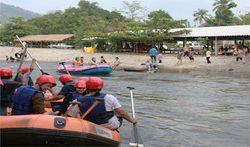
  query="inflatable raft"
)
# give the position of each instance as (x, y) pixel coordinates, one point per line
(101, 69)
(49, 130)
(135, 69)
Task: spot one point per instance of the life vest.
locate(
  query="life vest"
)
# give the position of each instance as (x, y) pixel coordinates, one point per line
(77, 63)
(67, 89)
(1, 88)
(30, 82)
(75, 95)
(70, 86)
(98, 115)
(23, 100)
(6, 98)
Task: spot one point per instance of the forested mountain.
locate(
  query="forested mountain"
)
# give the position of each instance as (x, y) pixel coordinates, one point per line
(8, 11)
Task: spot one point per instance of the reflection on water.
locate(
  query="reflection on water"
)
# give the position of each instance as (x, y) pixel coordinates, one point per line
(182, 109)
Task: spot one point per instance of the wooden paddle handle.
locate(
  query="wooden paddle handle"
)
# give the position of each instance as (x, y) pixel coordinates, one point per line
(90, 109)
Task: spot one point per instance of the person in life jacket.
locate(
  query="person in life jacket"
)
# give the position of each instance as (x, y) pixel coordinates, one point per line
(26, 71)
(68, 87)
(77, 62)
(93, 61)
(1, 85)
(30, 100)
(104, 112)
(82, 61)
(80, 86)
(8, 88)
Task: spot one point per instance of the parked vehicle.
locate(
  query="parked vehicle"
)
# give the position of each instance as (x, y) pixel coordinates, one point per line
(60, 45)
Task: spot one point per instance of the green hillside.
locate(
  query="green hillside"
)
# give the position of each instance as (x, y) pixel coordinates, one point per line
(8, 11)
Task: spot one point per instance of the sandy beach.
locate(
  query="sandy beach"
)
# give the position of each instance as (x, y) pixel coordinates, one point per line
(225, 64)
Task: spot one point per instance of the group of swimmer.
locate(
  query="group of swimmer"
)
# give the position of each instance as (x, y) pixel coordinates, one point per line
(23, 97)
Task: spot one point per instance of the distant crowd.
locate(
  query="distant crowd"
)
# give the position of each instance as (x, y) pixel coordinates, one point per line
(239, 51)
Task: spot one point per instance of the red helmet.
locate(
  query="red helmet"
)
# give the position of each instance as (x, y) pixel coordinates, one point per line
(42, 79)
(95, 83)
(83, 79)
(25, 69)
(4, 72)
(1, 83)
(65, 78)
(80, 84)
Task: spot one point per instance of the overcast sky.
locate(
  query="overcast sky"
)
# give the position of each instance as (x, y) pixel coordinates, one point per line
(178, 9)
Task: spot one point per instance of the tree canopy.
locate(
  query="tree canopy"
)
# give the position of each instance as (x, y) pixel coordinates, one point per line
(223, 15)
(89, 20)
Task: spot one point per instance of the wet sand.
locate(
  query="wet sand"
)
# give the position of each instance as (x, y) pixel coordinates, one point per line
(225, 64)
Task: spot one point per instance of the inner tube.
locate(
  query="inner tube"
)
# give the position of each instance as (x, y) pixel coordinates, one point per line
(18, 55)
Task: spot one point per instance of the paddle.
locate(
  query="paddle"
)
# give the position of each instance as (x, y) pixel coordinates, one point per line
(63, 64)
(21, 61)
(44, 73)
(135, 140)
(96, 102)
(74, 109)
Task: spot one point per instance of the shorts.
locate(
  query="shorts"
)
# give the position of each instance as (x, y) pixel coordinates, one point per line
(113, 123)
(191, 58)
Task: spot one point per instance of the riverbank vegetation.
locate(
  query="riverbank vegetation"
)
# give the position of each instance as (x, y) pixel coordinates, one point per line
(128, 24)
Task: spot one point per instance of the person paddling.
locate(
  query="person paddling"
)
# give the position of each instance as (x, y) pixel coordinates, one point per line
(68, 87)
(103, 61)
(80, 90)
(8, 88)
(30, 100)
(93, 61)
(26, 71)
(1, 86)
(104, 112)
(77, 62)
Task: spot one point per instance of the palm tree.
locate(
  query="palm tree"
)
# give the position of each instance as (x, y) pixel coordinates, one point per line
(223, 4)
(200, 15)
(223, 14)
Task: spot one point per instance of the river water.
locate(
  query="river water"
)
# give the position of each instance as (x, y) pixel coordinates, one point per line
(181, 109)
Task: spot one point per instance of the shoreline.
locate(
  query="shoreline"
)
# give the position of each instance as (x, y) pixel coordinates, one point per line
(224, 64)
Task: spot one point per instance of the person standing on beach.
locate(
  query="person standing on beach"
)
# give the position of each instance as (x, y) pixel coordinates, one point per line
(6, 58)
(179, 56)
(186, 50)
(149, 65)
(152, 53)
(103, 61)
(190, 55)
(239, 55)
(245, 54)
(159, 58)
(116, 63)
(208, 55)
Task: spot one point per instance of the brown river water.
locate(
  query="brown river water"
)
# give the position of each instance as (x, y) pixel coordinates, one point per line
(180, 109)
